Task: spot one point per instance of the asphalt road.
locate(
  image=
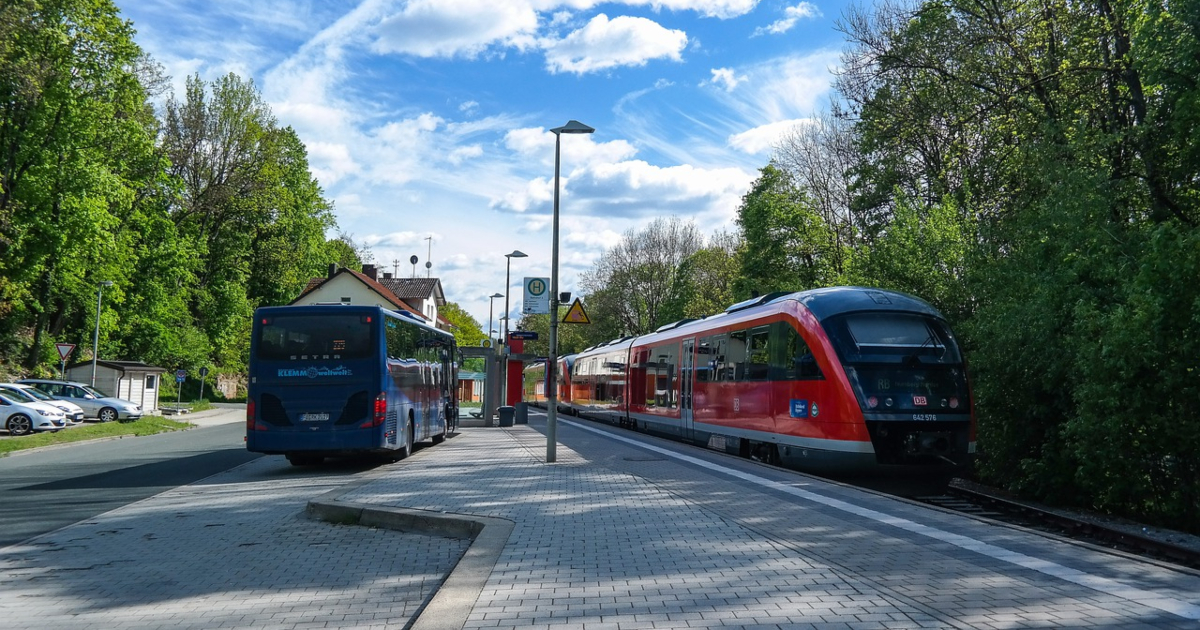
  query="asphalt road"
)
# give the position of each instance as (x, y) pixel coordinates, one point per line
(44, 490)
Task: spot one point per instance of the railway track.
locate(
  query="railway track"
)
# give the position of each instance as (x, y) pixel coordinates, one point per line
(991, 507)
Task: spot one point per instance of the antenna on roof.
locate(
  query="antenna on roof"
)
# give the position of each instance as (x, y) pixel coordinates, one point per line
(429, 255)
(395, 267)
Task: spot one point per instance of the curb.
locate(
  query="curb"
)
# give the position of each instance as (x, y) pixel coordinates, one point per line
(451, 604)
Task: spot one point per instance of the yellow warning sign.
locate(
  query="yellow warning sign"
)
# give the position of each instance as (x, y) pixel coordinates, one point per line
(576, 314)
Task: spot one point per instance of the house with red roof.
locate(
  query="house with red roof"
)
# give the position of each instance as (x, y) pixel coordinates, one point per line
(342, 285)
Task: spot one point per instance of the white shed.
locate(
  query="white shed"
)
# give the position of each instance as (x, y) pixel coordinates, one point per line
(129, 380)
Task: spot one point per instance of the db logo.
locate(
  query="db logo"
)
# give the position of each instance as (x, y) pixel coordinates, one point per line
(919, 401)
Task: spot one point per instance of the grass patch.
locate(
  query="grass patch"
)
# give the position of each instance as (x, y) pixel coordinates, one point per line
(146, 425)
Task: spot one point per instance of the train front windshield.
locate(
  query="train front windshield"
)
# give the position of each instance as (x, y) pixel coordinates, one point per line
(901, 362)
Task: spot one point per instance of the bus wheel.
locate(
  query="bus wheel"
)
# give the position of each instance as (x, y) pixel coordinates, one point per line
(298, 459)
(407, 449)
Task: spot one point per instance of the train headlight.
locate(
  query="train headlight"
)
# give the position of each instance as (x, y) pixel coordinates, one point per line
(954, 403)
(887, 402)
(872, 402)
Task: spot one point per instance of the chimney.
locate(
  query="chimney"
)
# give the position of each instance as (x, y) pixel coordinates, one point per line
(370, 272)
(332, 269)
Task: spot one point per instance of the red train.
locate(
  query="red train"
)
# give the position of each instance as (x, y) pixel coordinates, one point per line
(836, 380)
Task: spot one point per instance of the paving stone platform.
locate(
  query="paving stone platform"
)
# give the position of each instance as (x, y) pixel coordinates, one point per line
(613, 535)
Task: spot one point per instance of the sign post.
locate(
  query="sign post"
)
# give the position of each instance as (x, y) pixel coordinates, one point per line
(537, 296)
(179, 376)
(203, 374)
(576, 314)
(64, 351)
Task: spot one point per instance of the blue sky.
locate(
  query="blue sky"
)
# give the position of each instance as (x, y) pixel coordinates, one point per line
(431, 118)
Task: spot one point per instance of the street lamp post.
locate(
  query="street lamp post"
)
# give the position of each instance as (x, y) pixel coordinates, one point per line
(573, 126)
(504, 339)
(96, 335)
(508, 267)
(491, 302)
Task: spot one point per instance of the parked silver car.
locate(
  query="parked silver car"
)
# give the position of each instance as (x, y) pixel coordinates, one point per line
(74, 413)
(94, 403)
(22, 417)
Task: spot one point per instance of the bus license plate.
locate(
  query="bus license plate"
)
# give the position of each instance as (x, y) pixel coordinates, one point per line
(314, 417)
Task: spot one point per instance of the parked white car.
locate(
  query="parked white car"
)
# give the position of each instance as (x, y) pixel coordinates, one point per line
(73, 413)
(22, 418)
(94, 403)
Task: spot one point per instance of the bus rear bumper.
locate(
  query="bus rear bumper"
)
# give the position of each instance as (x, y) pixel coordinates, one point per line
(329, 443)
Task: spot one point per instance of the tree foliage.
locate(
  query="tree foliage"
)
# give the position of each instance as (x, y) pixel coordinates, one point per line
(630, 283)
(1031, 169)
(195, 219)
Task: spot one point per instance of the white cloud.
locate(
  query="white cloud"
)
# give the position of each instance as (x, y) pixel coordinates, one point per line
(604, 44)
(330, 162)
(783, 88)
(462, 154)
(436, 28)
(791, 15)
(726, 78)
(723, 9)
(761, 140)
(468, 107)
(538, 143)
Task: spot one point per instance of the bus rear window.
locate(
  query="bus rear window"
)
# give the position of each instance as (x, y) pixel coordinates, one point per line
(309, 337)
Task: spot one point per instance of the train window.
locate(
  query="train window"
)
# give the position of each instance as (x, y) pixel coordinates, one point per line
(757, 356)
(892, 337)
(663, 375)
(791, 358)
(890, 331)
(735, 357)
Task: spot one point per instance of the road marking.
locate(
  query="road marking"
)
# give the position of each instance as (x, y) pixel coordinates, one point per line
(1172, 605)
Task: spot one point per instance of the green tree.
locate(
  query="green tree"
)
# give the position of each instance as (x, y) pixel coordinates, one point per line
(704, 284)
(926, 252)
(254, 214)
(787, 245)
(77, 167)
(467, 331)
(631, 282)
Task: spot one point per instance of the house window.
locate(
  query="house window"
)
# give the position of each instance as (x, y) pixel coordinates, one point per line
(149, 381)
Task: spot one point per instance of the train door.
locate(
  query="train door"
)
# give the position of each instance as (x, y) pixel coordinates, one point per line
(688, 374)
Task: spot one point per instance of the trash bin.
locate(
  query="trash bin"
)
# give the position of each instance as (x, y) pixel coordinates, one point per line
(522, 413)
(506, 415)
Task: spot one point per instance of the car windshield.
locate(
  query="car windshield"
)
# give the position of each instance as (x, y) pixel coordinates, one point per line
(18, 395)
(36, 393)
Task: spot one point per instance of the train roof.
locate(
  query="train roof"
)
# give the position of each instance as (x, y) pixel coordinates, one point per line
(831, 301)
(822, 303)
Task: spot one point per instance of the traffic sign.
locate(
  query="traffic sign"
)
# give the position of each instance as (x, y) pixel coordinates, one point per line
(523, 334)
(180, 375)
(203, 372)
(537, 296)
(576, 314)
(64, 350)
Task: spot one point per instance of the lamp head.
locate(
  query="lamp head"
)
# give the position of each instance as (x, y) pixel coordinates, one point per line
(106, 283)
(573, 126)
(496, 295)
(517, 254)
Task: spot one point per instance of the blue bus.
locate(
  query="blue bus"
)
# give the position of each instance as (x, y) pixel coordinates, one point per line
(334, 380)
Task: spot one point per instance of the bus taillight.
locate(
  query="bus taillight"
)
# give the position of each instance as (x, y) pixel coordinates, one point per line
(380, 412)
(250, 414)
